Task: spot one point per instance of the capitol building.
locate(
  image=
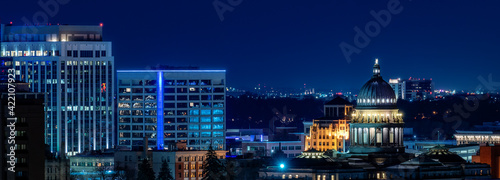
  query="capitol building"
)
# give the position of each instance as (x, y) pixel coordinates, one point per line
(376, 125)
(376, 148)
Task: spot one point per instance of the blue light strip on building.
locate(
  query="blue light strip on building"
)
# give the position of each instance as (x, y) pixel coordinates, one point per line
(159, 113)
(170, 71)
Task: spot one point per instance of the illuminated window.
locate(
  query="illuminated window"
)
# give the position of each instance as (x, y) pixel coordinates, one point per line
(218, 119)
(194, 127)
(218, 133)
(218, 126)
(206, 134)
(206, 126)
(193, 119)
(206, 112)
(194, 112)
(205, 119)
(218, 111)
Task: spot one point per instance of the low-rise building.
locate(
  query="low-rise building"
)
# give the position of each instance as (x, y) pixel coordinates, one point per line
(92, 164)
(477, 137)
(491, 156)
(184, 164)
(57, 168)
(331, 132)
(268, 148)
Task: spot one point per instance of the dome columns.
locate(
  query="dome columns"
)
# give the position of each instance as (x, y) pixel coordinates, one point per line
(376, 138)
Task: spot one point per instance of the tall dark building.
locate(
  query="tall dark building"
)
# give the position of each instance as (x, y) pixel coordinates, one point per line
(418, 89)
(23, 131)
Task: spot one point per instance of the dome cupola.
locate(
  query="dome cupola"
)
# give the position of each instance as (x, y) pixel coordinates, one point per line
(376, 93)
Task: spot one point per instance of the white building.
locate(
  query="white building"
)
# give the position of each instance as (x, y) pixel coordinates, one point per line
(170, 107)
(76, 67)
(399, 87)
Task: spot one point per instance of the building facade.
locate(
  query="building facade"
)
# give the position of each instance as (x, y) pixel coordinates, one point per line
(92, 165)
(331, 132)
(170, 107)
(491, 156)
(412, 88)
(418, 89)
(76, 68)
(268, 148)
(399, 87)
(57, 168)
(477, 137)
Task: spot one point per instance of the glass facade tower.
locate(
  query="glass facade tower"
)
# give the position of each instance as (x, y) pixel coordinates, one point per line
(171, 107)
(76, 68)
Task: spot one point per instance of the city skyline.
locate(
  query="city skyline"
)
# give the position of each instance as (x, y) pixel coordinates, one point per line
(235, 89)
(459, 49)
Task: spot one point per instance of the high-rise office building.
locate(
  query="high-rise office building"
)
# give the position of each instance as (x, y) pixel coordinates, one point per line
(418, 89)
(76, 68)
(172, 108)
(412, 88)
(399, 87)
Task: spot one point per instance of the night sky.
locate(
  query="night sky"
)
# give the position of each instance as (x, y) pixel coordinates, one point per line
(288, 43)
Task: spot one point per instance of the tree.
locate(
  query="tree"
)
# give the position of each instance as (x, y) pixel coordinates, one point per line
(233, 169)
(145, 171)
(213, 168)
(102, 171)
(165, 172)
(119, 173)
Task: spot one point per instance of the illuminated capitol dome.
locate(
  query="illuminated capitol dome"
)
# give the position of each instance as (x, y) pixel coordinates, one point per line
(376, 125)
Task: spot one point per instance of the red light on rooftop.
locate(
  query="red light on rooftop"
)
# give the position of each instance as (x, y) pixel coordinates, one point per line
(11, 22)
(100, 24)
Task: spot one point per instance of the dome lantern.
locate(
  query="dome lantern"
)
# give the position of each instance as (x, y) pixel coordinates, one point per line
(376, 70)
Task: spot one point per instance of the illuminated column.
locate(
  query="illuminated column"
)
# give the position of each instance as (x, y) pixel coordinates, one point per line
(401, 136)
(159, 112)
(396, 136)
(385, 134)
